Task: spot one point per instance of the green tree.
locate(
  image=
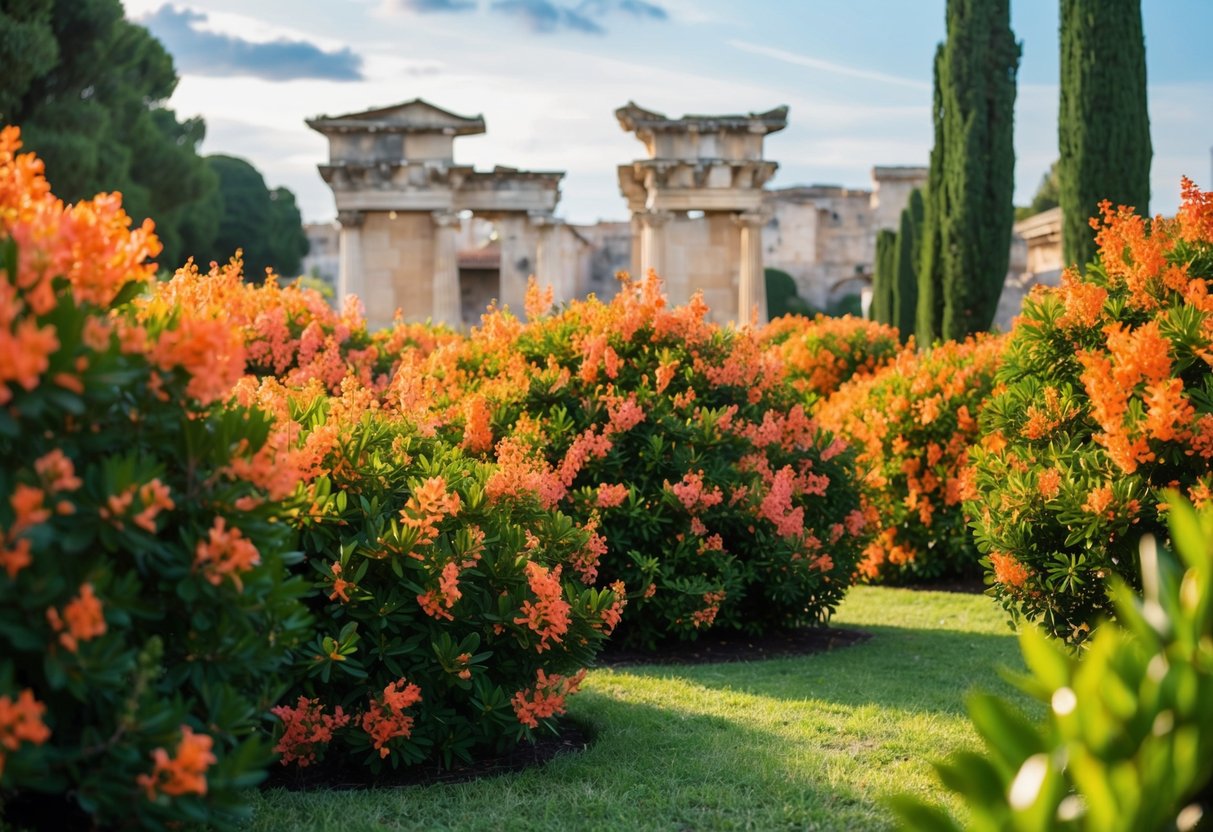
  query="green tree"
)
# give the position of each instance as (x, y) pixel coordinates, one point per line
(1048, 194)
(929, 308)
(27, 49)
(884, 276)
(1103, 126)
(288, 241)
(967, 246)
(265, 225)
(782, 296)
(88, 91)
(908, 256)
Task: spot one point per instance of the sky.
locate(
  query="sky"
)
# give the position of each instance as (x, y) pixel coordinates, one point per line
(548, 75)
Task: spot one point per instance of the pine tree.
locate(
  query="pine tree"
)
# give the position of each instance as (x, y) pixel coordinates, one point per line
(909, 253)
(884, 276)
(1103, 126)
(970, 212)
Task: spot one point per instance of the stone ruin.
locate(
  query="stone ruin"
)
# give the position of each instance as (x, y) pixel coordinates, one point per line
(440, 241)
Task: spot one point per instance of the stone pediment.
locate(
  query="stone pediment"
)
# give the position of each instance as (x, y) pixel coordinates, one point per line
(416, 116)
(635, 118)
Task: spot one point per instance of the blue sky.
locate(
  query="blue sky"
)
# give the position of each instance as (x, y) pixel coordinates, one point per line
(547, 76)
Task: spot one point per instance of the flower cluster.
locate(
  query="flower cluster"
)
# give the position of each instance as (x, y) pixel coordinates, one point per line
(1106, 402)
(912, 424)
(822, 353)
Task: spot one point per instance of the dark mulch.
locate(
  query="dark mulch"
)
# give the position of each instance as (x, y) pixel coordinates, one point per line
(342, 776)
(713, 646)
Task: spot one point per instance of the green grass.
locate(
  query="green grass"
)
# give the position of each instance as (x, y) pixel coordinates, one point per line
(812, 742)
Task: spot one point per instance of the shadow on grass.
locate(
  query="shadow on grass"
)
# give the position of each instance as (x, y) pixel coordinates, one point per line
(919, 669)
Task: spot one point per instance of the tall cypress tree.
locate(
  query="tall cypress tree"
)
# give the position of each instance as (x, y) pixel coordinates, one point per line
(929, 307)
(1103, 126)
(909, 253)
(970, 212)
(884, 276)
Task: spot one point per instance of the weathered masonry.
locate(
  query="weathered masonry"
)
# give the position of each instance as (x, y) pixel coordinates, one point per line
(697, 205)
(402, 201)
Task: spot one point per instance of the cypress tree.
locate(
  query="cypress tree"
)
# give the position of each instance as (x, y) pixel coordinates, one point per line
(909, 253)
(884, 277)
(967, 247)
(1103, 126)
(929, 307)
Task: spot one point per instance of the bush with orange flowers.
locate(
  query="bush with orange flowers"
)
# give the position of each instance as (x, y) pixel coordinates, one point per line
(680, 442)
(822, 353)
(450, 624)
(1109, 398)
(291, 333)
(145, 615)
(912, 424)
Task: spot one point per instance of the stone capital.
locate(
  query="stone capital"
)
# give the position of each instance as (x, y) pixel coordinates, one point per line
(351, 219)
(445, 219)
(752, 219)
(655, 218)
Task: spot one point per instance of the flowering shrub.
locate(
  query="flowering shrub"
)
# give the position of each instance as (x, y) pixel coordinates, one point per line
(145, 618)
(822, 353)
(712, 495)
(450, 624)
(291, 333)
(912, 424)
(1127, 739)
(1108, 399)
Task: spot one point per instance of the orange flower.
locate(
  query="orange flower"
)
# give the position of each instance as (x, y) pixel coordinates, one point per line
(225, 552)
(341, 586)
(28, 509)
(1049, 483)
(305, 728)
(437, 602)
(21, 721)
(1008, 571)
(387, 721)
(82, 619)
(184, 773)
(548, 616)
(57, 472)
(15, 556)
(1099, 500)
(546, 698)
(426, 508)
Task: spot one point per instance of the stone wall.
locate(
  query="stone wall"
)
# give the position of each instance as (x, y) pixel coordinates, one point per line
(398, 264)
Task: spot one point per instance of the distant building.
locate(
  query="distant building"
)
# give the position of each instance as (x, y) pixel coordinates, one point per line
(1036, 260)
(824, 236)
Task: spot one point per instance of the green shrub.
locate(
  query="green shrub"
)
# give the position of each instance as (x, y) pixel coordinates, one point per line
(1109, 398)
(681, 442)
(1127, 743)
(146, 620)
(450, 624)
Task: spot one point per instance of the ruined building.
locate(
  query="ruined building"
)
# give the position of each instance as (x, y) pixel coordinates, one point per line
(440, 241)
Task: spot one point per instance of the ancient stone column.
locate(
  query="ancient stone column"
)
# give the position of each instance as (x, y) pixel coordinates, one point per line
(547, 255)
(518, 251)
(447, 301)
(751, 284)
(350, 277)
(652, 242)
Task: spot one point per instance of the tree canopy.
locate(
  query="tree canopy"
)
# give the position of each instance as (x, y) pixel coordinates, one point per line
(89, 90)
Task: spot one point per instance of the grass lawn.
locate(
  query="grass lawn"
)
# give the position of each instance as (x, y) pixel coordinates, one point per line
(812, 742)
